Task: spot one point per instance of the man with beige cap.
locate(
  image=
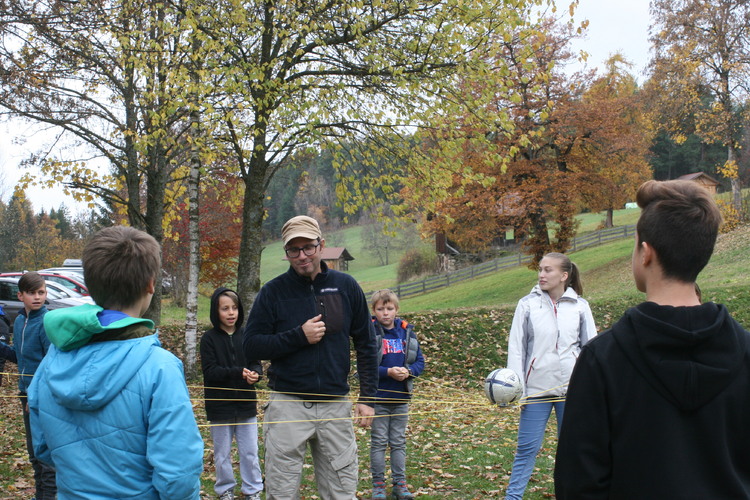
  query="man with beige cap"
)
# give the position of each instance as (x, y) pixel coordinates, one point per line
(302, 321)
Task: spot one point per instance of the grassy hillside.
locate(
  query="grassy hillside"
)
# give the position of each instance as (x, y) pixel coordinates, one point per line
(606, 280)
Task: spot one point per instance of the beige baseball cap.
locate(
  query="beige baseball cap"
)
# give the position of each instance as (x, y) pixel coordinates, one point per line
(300, 226)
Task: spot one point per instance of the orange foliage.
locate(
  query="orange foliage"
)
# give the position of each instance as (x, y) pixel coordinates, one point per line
(576, 144)
(220, 231)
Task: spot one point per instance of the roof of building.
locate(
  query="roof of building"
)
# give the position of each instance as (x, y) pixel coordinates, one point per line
(335, 253)
(699, 175)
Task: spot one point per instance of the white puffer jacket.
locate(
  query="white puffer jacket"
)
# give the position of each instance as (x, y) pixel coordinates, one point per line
(543, 346)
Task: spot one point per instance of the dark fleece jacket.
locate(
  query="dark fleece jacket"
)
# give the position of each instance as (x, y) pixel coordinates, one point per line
(658, 407)
(274, 331)
(228, 395)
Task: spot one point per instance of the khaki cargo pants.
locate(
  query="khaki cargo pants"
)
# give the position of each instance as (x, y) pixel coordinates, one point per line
(290, 423)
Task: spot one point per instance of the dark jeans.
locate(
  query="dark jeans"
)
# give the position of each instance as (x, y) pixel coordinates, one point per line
(44, 475)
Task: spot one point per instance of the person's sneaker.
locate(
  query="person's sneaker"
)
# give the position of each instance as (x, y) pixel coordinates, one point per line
(378, 490)
(401, 491)
(252, 496)
(227, 495)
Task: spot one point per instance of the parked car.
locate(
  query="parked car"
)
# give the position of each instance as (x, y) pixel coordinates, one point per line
(70, 280)
(57, 298)
(61, 291)
(78, 271)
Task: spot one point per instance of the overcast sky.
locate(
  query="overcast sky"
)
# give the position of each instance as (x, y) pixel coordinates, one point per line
(614, 25)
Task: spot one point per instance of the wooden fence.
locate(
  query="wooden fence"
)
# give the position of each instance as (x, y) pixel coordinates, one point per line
(445, 280)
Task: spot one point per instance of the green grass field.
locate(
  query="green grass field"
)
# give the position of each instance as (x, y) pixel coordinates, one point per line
(460, 446)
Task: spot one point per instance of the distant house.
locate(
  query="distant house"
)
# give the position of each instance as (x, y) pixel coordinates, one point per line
(703, 179)
(336, 258)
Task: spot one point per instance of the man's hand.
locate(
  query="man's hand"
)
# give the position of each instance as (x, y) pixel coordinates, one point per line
(363, 415)
(314, 329)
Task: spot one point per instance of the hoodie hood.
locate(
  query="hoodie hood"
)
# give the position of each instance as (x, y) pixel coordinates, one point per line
(89, 378)
(84, 373)
(214, 310)
(72, 327)
(688, 354)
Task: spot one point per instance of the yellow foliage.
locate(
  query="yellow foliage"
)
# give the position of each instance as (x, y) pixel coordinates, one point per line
(732, 218)
(729, 169)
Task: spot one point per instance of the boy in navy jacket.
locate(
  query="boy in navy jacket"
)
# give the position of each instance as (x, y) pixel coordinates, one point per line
(400, 361)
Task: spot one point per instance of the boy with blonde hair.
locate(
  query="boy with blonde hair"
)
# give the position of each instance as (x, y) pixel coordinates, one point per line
(109, 407)
(400, 360)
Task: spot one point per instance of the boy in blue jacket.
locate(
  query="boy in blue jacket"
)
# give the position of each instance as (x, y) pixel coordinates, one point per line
(109, 407)
(30, 345)
(400, 361)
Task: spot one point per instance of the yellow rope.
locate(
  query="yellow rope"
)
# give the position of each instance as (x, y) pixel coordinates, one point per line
(460, 397)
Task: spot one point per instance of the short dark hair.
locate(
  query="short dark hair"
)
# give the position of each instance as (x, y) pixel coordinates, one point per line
(31, 281)
(118, 264)
(680, 220)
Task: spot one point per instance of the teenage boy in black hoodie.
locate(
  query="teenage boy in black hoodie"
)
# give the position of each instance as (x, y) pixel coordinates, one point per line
(229, 379)
(658, 406)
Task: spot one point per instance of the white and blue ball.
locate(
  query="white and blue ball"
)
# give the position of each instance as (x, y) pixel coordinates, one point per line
(503, 386)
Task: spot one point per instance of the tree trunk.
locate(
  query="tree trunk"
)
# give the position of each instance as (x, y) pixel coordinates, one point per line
(191, 313)
(735, 182)
(251, 245)
(609, 218)
(191, 317)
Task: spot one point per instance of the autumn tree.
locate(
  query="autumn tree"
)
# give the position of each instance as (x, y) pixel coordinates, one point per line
(219, 230)
(109, 81)
(42, 247)
(703, 47)
(613, 135)
(575, 143)
(522, 176)
(299, 75)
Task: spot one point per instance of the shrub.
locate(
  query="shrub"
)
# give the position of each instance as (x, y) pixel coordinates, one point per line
(416, 262)
(732, 218)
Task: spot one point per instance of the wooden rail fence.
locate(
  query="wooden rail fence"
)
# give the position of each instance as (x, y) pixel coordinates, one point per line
(437, 282)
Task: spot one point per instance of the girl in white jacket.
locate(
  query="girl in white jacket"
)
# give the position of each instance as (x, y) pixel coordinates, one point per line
(549, 327)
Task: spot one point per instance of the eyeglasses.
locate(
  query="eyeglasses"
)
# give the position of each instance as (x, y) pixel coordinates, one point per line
(309, 249)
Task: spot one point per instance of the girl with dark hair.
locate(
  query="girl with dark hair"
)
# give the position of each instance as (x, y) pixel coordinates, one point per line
(549, 327)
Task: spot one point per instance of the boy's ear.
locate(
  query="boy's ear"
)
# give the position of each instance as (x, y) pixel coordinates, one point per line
(647, 254)
(151, 287)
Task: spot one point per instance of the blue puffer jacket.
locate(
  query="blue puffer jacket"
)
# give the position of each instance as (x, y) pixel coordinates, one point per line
(30, 344)
(113, 416)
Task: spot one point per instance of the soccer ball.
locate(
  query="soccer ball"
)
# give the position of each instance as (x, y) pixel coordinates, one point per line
(503, 386)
